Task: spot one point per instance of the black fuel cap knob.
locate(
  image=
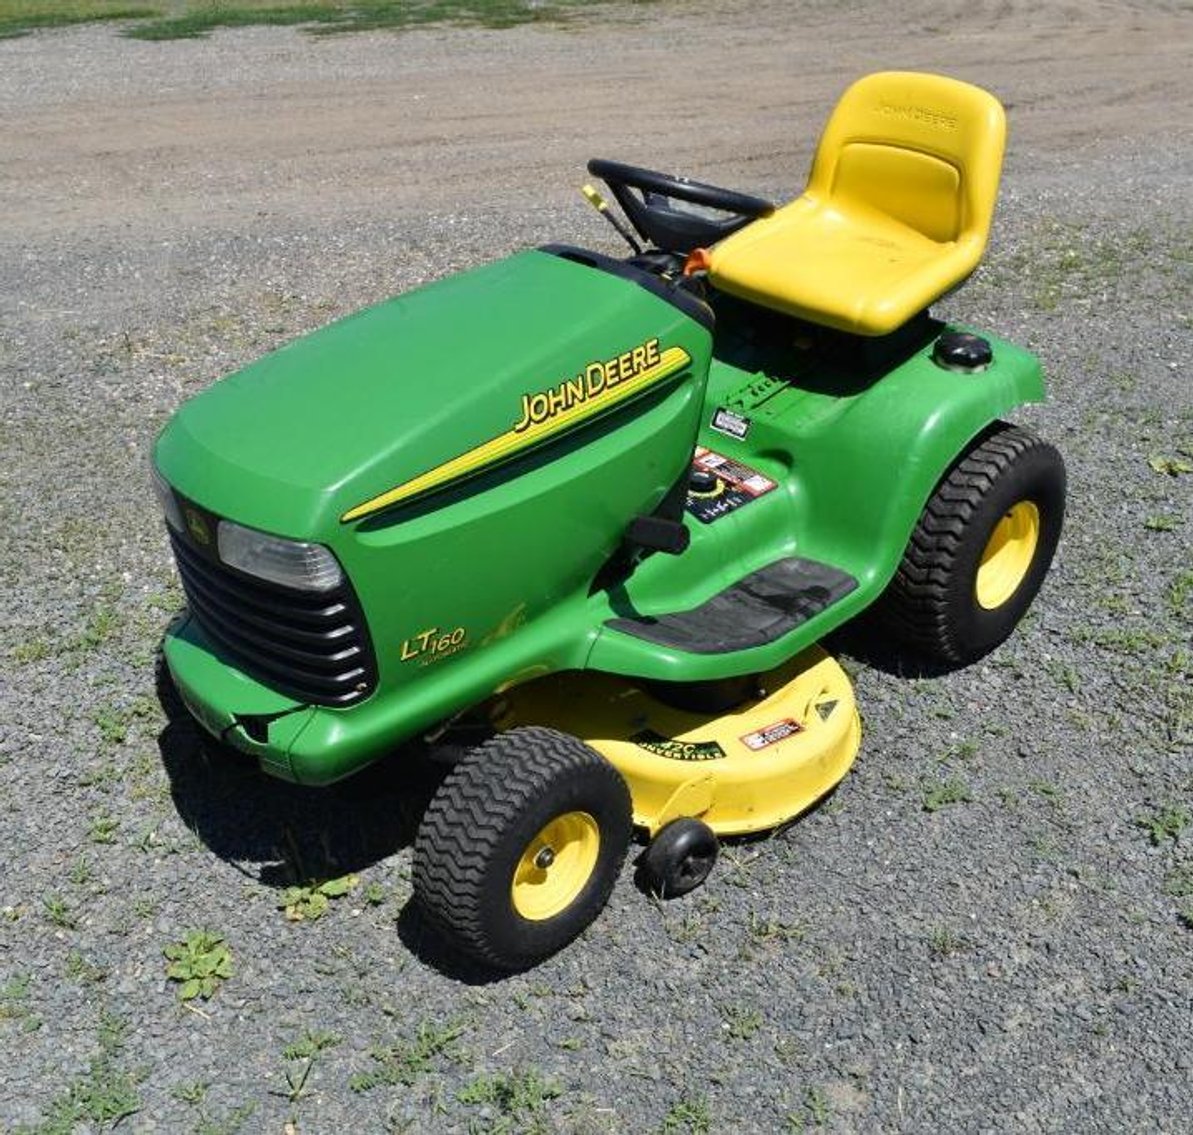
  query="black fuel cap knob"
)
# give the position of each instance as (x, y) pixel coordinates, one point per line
(962, 352)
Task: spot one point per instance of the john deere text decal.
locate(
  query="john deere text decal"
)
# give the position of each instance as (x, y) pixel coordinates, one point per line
(544, 413)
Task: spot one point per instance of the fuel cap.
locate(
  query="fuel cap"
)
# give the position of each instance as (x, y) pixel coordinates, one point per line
(962, 352)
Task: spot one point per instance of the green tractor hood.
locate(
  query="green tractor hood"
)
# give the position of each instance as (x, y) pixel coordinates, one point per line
(421, 390)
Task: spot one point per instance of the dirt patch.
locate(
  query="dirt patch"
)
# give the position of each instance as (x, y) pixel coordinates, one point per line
(105, 133)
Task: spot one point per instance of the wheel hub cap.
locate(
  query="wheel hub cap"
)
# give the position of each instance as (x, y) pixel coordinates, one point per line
(1008, 555)
(555, 866)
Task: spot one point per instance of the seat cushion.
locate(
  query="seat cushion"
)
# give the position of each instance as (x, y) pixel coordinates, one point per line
(840, 264)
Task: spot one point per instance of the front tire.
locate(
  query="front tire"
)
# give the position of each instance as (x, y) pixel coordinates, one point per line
(980, 549)
(520, 847)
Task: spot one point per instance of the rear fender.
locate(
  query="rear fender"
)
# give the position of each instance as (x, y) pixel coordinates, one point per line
(864, 479)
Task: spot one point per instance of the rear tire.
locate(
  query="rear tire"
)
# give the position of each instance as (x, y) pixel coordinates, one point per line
(520, 847)
(980, 549)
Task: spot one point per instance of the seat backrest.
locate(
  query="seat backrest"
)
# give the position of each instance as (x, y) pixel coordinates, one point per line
(922, 149)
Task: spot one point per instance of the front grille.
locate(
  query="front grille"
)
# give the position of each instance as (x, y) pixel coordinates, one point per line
(311, 646)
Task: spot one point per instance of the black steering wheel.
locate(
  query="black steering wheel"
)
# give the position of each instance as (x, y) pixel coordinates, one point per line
(653, 212)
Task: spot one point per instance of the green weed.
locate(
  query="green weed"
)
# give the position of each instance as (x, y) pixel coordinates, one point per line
(1165, 823)
(740, 1021)
(688, 1115)
(1178, 593)
(14, 1002)
(78, 968)
(1169, 466)
(305, 903)
(101, 626)
(404, 1062)
(944, 942)
(103, 829)
(35, 649)
(816, 1103)
(58, 913)
(1179, 883)
(104, 1095)
(301, 1056)
(939, 795)
(774, 929)
(200, 963)
(520, 1097)
(374, 894)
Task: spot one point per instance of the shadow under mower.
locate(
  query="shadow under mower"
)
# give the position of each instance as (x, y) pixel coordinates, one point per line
(602, 510)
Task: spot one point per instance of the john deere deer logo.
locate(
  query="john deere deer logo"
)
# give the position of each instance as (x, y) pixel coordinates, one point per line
(197, 527)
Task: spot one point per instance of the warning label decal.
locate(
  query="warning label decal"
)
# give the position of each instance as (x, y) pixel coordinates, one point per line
(772, 734)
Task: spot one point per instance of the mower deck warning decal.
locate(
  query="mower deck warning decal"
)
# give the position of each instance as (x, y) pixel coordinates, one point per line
(735, 485)
(772, 734)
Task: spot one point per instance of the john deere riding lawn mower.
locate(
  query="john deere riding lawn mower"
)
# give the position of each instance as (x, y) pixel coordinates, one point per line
(592, 516)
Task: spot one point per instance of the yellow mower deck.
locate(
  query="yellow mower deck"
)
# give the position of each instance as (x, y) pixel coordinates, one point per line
(743, 771)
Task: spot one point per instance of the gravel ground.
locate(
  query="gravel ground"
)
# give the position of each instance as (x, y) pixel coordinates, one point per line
(1020, 958)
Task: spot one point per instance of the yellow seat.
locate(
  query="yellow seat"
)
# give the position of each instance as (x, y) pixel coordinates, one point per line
(896, 212)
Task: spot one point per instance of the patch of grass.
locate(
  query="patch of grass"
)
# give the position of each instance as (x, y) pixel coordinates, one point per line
(58, 913)
(1064, 674)
(20, 17)
(192, 1091)
(519, 1097)
(1048, 790)
(741, 1022)
(228, 1124)
(688, 1115)
(1165, 823)
(816, 1103)
(1136, 641)
(402, 1063)
(374, 894)
(944, 942)
(200, 963)
(14, 1003)
(1169, 466)
(1179, 592)
(104, 1095)
(78, 968)
(939, 795)
(103, 829)
(774, 929)
(1179, 883)
(1162, 522)
(196, 18)
(33, 650)
(101, 625)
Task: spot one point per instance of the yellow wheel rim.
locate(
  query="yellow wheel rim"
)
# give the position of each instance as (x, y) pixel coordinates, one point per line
(1008, 555)
(555, 866)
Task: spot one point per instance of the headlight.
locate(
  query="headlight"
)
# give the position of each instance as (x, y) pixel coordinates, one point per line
(292, 563)
(166, 499)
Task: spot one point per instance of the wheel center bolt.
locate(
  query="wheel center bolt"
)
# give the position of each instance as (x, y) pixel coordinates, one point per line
(544, 859)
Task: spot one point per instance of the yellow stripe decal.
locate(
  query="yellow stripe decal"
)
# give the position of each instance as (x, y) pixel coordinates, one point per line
(544, 415)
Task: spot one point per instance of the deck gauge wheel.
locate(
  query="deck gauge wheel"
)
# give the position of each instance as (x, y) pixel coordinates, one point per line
(679, 858)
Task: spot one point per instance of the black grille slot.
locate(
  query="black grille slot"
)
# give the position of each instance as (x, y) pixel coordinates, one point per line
(311, 646)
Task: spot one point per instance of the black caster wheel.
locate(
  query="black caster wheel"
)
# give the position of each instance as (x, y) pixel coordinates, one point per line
(679, 858)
